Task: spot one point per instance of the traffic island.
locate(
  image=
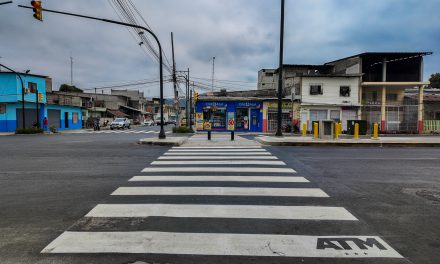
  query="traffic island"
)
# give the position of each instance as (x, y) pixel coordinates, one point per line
(362, 142)
(169, 141)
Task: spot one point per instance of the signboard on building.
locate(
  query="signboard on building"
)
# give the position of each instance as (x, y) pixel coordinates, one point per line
(207, 126)
(231, 121)
(199, 121)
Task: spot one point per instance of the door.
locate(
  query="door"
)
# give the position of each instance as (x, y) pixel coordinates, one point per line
(348, 115)
(66, 119)
(54, 118)
(255, 120)
(30, 117)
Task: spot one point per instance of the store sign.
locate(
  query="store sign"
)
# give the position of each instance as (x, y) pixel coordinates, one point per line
(231, 121)
(248, 104)
(283, 105)
(215, 104)
(199, 121)
(207, 126)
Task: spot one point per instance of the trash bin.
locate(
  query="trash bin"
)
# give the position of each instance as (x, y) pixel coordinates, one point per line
(326, 129)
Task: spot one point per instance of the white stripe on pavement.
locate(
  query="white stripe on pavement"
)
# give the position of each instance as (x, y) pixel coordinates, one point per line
(219, 162)
(220, 178)
(216, 157)
(217, 153)
(149, 242)
(213, 150)
(223, 211)
(225, 147)
(222, 191)
(219, 169)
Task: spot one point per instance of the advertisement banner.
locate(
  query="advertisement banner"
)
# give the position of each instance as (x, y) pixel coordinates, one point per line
(199, 121)
(231, 121)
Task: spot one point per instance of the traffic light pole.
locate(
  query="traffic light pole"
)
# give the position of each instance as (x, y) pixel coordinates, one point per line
(162, 131)
(279, 132)
(22, 95)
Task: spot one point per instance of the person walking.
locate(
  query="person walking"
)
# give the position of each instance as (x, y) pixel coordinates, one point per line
(45, 123)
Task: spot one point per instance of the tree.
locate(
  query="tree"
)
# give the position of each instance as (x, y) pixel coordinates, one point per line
(70, 88)
(435, 80)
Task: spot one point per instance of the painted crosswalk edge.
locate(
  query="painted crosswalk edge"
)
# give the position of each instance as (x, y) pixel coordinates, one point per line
(219, 179)
(219, 169)
(146, 242)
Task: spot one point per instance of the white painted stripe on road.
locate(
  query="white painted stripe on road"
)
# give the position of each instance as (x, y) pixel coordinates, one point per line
(219, 169)
(219, 162)
(216, 157)
(222, 191)
(215, 150)
(149, 242)
(223, 211)
(219, 178)
(218, 153)
(225, 147)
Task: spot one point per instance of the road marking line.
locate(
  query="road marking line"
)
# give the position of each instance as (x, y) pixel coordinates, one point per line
(218, 153)
(214, 150)
(223, 211)
(216, 157)
(219, 162)
(219, 169)
(219, 178)
(222, 191)
(225, 147)
(148, 242)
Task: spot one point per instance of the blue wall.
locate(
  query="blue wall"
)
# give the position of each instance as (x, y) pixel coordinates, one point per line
(10, 87)
(66, 109)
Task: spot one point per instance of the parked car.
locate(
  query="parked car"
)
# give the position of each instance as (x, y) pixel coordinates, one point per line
(120, 123)
(165, 120)
(149, 123)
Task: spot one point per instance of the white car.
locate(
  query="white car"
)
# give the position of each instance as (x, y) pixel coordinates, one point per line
(148, 123)
(120, 123)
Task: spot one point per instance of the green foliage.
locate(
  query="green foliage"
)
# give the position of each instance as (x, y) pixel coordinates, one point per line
(70, 88)
(53, 129)
(183, 130)
(435, 80)
(33, 130)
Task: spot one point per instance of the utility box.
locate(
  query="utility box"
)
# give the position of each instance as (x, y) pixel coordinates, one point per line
(326, 129)
(362, 126)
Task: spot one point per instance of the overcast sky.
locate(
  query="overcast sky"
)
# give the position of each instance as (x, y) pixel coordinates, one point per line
(243, 35)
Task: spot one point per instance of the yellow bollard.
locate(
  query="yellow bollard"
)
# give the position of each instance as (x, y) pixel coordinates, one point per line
(336, 130)
(356, 131)
(376, 131)
(316, 130)
(304, 130)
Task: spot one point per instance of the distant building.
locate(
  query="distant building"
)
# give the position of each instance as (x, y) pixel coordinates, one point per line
(62, 117)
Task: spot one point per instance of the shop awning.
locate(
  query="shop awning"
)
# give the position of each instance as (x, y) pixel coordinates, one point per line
(117, 113)
(131, 108)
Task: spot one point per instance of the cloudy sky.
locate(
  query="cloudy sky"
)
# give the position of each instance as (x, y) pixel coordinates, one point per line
(242, 34)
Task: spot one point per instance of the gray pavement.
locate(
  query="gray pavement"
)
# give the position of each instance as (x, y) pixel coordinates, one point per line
(50, 183)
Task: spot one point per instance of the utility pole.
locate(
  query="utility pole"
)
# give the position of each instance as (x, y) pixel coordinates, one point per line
(213, 72)
(176, 95)
(279, 133)
(188, 121)
(71, 69)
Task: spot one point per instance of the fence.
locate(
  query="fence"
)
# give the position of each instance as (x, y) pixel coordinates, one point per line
(431, 126)
(272, 122)
(399, 119)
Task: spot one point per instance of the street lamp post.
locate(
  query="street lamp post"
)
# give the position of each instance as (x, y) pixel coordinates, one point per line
(279, 133)
(22, 95)
(162, 131)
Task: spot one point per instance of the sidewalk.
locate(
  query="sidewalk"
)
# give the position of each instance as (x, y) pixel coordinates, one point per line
(387, 141)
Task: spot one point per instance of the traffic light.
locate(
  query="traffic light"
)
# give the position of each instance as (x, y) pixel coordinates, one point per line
(196, 96)
(38, 14)
(40, 97)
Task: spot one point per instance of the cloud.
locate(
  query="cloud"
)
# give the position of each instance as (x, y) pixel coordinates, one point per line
(243, 35)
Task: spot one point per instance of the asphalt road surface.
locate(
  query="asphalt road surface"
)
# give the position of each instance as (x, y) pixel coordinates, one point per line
(62, 194)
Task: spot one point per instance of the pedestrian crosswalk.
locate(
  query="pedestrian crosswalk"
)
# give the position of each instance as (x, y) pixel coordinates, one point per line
(129, 131)
(205, 177)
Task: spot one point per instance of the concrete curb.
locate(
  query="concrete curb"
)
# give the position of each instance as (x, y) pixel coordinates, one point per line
(169, 141)
(361, 143)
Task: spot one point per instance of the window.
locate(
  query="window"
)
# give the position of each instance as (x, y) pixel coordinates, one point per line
(75, 118)
(391, 97)
(32, 87)
(315, 89)
(269, 74)
(344, 91)
(335, 115)
(2, 108)
(242, 118)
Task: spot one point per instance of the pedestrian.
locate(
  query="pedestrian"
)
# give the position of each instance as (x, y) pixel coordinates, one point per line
(45, 123)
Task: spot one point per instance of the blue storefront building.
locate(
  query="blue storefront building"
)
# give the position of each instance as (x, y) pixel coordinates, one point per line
(235, 114)
(11, 113)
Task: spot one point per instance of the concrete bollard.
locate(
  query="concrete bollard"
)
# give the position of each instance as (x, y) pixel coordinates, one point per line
(304, 130)
(209, 135)
(356, 131)
(376, 131)
(315, 130)
(232, 136)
